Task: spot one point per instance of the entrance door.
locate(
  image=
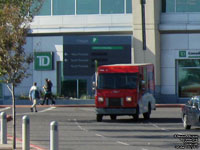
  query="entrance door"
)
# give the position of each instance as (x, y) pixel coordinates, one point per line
(188, 77)
(74, 88)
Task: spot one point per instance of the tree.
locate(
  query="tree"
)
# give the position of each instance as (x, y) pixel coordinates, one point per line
(15, 19)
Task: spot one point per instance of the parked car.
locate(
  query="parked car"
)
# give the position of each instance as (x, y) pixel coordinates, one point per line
(191, 113)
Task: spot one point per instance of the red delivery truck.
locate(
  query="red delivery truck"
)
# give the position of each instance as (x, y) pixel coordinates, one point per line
(125, 89)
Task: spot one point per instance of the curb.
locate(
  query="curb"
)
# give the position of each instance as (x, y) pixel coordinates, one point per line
(85, 105)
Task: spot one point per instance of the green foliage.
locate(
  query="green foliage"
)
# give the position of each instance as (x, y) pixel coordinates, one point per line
(15, 19)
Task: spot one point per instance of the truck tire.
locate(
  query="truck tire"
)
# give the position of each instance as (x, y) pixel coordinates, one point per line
(113, 117)
(185, 125)
(147, 114)
(99, 117)
(136, 115)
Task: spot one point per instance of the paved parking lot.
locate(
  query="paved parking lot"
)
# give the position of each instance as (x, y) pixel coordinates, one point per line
(79, 130)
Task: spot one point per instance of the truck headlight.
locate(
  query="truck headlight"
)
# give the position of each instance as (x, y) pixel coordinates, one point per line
(128, 99)
(100, 99)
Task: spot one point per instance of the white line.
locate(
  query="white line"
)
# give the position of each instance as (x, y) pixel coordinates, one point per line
(88, 109)
(80, 127)
(48, 109)
(119, 142)
(158, 127)
(99, 135)
(31, 113)
(5, 108)
(144, 149)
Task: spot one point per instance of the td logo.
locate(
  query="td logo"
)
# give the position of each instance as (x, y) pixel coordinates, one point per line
(43, 60)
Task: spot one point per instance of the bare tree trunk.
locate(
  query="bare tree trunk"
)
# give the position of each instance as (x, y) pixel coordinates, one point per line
(14, 116)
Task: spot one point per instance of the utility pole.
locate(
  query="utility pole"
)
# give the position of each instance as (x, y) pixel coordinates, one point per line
(143, 2)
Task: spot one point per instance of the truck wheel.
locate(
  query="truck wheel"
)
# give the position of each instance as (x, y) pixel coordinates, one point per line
(147, 114)
(99, 117)
(113, 117)
(136, 115)
(185, 125)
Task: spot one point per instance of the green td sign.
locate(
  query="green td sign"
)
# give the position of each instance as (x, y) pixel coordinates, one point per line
(182, 53)
(43, 60)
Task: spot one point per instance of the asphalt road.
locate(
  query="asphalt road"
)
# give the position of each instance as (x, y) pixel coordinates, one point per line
(78, 129)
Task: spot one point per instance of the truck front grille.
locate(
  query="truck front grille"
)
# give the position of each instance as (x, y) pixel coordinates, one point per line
(114, 102)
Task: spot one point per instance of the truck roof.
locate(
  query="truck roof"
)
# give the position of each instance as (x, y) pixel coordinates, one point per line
(122, 68)
(139, 64)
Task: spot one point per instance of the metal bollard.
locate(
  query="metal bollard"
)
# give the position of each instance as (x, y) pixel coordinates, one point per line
(25, 133)
(3, 128)
(54, 136)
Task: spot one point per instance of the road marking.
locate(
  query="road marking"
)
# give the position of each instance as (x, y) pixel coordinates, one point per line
(88, 109)
(144, 149)
(48, 109)
(119, 142)
(78, 125)
(3, 109)
(156, 126)
(31, 113)
(99, 135)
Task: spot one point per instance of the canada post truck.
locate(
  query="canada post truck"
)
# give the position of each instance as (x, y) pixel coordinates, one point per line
(125, 89)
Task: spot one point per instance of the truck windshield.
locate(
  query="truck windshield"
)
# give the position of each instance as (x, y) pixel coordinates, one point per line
(117, 81)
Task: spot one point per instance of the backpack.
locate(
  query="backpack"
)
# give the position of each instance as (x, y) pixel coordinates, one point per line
(37, 94)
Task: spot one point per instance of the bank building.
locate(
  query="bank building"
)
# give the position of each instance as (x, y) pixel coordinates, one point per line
(68, 36)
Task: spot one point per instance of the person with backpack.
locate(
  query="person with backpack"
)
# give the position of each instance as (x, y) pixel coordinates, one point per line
(34, 96)
(47, 92)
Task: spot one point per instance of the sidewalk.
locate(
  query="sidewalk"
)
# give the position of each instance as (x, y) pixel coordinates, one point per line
(8, 146)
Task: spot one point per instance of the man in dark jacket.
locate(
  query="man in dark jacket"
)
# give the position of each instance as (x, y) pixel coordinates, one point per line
(47, 92)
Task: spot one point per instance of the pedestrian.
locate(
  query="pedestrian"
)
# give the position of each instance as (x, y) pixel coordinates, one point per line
(47, 92)
(34, 96)
(50, 92)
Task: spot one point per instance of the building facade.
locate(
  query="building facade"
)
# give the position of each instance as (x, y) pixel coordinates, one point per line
(68, 37)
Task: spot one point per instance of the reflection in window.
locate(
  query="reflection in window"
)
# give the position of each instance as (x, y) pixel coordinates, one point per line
(68, 7)
(188, 80)
(63, 7)
(168, 6)
(180, 5)
(87, 6)
(189, 63)
(46, 8)
(128, 6)
(112, 6)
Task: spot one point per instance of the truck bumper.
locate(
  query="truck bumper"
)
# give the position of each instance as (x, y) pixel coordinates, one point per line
(116, 111)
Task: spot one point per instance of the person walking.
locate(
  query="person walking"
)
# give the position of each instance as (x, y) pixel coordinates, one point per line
(34, 96)
(50, 93)
(47, 90)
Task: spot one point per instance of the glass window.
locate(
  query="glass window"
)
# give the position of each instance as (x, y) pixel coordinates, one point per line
(128, 6)
(69, 88)
(112, 6)
(188, 78)
(46, 8)
(168, 5)
(63, 7)
(189, 63)
(180, 5)
(187, 5)
(87, 6)
(117, 81)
